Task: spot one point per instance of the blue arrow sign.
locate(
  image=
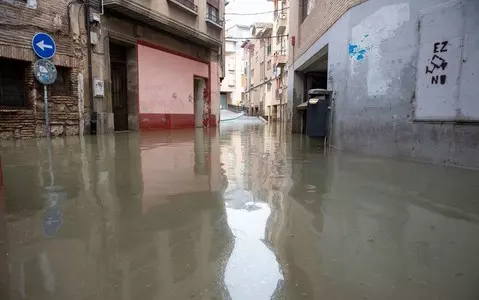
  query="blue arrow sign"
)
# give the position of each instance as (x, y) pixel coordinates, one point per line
(44, 45)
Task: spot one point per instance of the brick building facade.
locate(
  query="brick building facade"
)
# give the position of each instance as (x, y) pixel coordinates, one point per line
(22, 106)
(189, 29)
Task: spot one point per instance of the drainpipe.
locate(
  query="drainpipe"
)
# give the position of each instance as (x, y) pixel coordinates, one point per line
(293, 43)
(93, 116)
(265, 90)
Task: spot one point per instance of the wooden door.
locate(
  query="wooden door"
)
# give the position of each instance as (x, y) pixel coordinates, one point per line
(119, 96)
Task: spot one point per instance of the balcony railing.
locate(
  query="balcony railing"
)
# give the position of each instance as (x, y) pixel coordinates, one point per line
(280, 58)
(187, 3)
(215, 19)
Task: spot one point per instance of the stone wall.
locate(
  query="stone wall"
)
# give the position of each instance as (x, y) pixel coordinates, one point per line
(20, 20)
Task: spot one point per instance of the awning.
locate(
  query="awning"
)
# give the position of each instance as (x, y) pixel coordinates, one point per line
(302, 106)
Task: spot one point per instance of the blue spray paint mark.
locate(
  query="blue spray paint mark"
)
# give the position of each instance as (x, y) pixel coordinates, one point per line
(356, 52)
(352, 49)
(361, 54)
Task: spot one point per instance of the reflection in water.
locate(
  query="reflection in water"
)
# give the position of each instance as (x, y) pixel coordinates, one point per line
(250, 213)
(143, 218)
(252, 271)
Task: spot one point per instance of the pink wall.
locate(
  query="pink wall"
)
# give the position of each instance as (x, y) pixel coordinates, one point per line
(165, 81)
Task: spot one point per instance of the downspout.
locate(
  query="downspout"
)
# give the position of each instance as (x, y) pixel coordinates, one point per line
(249, 82)
(293, 43)
(264, 81)
(93, 116)
(281, 117)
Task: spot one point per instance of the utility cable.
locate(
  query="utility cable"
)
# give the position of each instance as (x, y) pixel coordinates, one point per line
(256, 38)
(257, 13)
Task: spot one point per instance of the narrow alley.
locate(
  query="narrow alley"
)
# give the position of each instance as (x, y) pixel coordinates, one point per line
(247, 212)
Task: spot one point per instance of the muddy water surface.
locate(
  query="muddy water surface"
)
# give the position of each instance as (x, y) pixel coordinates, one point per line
(248, 213)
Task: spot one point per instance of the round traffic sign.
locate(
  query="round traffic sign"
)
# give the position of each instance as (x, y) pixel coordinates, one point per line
(45, 71)
(44, 45)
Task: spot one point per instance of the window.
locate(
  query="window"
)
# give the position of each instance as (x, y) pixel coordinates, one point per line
(188, 3)
(212, 11)
(269, 86)
(213, 15)
(61, 86)
(268, 64)
(261, 70)
(12, 83)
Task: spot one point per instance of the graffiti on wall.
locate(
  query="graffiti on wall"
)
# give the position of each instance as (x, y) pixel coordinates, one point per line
(438, 64)
(356, 51)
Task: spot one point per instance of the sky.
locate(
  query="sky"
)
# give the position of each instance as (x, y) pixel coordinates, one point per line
(246, 7)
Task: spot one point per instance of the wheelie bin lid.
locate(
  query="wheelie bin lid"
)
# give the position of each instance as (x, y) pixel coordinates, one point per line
(315, 92)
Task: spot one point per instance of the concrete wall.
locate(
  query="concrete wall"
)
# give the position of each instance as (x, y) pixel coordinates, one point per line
(373, 60)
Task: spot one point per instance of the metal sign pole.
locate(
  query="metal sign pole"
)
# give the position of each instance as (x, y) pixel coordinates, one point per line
(47, 119)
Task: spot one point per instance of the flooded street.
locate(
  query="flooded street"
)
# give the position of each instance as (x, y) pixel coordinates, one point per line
(248, 212)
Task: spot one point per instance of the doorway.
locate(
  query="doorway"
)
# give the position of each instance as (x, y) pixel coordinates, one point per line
(119, 84)
(223, 101)
(199, 100)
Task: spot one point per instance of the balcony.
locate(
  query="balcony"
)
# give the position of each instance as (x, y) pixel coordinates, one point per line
(280, 59)
(214, 20)
(187, 5)
(281, 22)
(184, 27)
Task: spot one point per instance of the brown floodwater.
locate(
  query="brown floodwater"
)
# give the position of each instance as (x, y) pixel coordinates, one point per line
(248, 212)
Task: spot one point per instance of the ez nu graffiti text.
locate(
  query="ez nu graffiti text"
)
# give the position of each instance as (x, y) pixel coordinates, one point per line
(438, 64)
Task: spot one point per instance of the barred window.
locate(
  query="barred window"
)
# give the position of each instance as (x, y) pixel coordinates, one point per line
(61, 86)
